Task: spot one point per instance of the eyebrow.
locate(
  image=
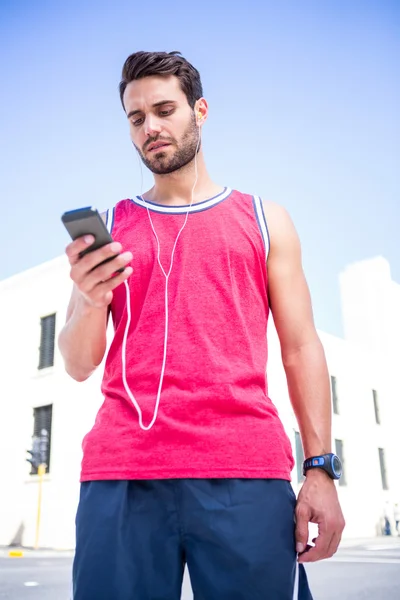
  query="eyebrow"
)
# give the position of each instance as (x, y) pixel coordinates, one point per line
(161, 103)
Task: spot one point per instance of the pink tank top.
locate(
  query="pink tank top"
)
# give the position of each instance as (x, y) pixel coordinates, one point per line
(215, 418)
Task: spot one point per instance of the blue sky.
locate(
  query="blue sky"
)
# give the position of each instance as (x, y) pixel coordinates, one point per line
(304, 101)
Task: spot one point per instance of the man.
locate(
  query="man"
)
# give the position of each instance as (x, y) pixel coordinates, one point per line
(396, 514)
(188, 462)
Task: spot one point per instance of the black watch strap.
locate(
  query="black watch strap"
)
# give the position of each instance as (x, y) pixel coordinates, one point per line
(330, 463)
(313, 461)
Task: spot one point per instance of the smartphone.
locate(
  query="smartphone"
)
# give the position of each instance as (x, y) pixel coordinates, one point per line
(85, 221)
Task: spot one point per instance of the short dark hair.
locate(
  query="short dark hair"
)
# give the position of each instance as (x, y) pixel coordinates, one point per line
(146, 64)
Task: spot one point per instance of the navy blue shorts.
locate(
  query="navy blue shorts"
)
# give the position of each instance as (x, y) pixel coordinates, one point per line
(235, 535)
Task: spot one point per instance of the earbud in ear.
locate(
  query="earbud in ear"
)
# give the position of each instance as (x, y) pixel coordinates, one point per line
(199, 116)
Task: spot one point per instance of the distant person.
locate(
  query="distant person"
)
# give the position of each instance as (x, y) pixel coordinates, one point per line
(188, 461)
(387, 529)
(396, 515)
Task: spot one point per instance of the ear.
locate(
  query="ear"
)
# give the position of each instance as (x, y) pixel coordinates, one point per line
(201, 111)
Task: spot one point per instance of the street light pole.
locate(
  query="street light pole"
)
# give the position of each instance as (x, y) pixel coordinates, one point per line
(41, 472)
(39, 460)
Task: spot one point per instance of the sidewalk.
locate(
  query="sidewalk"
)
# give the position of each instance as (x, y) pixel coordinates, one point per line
(393, 541)
(19, 552)
(382, 540)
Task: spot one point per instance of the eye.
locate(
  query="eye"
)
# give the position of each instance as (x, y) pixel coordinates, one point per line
(137, 122)
(166, 112)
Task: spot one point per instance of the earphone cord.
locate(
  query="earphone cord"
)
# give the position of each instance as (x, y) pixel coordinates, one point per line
(128, 305)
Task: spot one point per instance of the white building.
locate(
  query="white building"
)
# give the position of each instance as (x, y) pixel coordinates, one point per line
(36, 392)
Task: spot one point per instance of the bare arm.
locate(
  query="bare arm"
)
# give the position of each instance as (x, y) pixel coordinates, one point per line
(83, 339)
(302, 351)
(308, 382)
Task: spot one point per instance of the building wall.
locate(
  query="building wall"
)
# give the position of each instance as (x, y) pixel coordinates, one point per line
(23, 300)
(357, 372)
(371, 317)
(370, 306)
(27, 297)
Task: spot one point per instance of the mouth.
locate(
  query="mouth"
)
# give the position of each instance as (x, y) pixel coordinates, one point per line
(157, 146)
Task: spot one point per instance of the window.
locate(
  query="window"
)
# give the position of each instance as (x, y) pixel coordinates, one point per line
(335, 399)
(339, 452)
(47, 336)
(382, 463)
(42, 420)
(299, 457)
(376, 407)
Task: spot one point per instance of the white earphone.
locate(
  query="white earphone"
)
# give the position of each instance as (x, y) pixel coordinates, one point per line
(166, 275)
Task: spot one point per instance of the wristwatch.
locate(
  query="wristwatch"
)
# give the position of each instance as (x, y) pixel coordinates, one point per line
(328, 462)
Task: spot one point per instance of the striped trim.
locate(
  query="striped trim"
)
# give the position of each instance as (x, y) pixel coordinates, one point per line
(177, 210)
(296, 582)
(262, 223)
(110, 219)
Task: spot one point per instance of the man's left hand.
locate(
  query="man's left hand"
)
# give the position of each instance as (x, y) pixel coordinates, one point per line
(318, 503)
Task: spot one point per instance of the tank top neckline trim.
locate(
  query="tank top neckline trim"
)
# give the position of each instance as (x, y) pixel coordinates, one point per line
(177, 210)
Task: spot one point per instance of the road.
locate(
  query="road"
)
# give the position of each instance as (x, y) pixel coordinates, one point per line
(368, 570)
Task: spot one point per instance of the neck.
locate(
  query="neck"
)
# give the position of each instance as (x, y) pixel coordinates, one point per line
(176, 188)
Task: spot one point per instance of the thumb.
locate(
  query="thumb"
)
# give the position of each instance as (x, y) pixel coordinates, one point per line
(302, 519)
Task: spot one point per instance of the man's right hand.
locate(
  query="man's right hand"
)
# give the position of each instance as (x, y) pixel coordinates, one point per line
(96, 283)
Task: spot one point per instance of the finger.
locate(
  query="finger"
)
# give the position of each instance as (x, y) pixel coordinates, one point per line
(107, 271)
(320, 550)
(334, 545)
(86, 273)
(103, 293)
(74, 249)
(92, 259)
(301, 532)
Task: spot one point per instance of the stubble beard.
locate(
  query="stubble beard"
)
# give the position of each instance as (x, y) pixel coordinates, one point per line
(161, 164)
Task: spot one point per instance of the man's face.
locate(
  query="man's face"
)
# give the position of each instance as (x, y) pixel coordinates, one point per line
(162, 125)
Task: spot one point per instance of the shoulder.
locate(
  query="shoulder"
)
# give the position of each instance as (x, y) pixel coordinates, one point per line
(275, 212)
(282, 231)
(279, 224)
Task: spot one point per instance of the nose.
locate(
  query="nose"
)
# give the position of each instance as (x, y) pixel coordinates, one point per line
(152, 125)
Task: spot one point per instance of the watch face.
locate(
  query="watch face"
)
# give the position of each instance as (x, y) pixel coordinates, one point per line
(336, 465)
